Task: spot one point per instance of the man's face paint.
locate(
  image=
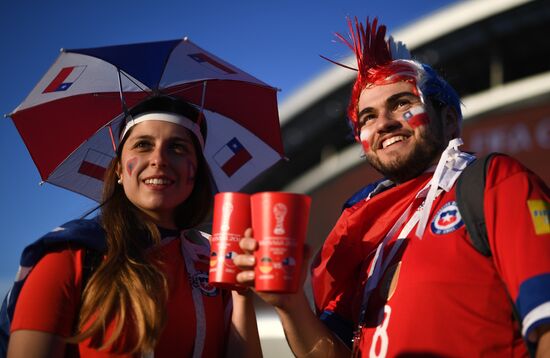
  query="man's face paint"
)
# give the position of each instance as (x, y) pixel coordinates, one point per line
(416, 116)
(399, 133)
(131, 164)
(364, 137)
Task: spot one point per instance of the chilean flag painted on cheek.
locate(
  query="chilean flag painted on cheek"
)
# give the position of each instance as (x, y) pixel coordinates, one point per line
(416, 116)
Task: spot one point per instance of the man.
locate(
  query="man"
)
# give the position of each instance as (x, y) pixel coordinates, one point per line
(398, 275)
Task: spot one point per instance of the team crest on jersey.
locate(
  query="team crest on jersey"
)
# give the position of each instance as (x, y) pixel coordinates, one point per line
(200, 281)
(447, 219)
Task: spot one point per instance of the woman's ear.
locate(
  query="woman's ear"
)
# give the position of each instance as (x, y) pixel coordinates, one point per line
(118, 172)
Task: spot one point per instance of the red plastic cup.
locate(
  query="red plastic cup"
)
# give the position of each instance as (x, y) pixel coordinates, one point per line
(231, 219)
(280, 223)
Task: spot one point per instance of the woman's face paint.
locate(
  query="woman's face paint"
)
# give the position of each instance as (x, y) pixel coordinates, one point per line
(131, 165)
(416, 116)
(159, 164)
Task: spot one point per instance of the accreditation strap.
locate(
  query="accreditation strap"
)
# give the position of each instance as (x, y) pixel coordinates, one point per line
(447, 171)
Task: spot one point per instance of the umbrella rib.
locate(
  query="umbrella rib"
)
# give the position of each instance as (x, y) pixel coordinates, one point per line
(121, 93)
(203, 100)
(183, 89)
(112, 137)
(132, 80)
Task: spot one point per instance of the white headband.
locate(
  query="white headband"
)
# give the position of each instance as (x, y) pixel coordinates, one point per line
(166, 117)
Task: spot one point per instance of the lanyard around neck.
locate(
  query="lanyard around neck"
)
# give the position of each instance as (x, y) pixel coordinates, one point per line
(380, 264)
(189, 251)
(448, 169)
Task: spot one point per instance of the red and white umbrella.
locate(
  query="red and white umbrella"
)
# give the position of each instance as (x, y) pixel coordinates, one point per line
(69, 120)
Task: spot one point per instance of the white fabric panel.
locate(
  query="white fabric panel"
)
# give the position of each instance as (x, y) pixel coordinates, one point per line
(263, 156)
(92, 76)
(183, 68)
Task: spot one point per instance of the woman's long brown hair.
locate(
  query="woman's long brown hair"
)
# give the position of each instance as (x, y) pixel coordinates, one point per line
(128, 289)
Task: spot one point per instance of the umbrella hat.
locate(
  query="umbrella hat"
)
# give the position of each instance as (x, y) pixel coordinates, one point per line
(68, 121)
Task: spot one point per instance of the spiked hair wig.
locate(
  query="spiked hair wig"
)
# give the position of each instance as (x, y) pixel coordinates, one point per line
(384, 61)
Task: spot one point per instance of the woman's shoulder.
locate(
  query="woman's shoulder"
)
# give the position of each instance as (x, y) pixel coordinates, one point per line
(74, 234)
(60, 259)
(48, 294)
(82, 232)
(198, 237)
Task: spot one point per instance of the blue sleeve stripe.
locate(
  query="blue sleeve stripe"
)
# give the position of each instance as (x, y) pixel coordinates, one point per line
(538, 316)
(339, 326)
(533, 303)
(533, 293)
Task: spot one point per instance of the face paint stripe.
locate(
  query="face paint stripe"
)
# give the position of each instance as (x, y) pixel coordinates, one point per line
(130, 165)
(364, 137)
(419, 120)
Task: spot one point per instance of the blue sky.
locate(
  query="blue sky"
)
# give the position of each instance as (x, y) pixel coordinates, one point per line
(276, 41)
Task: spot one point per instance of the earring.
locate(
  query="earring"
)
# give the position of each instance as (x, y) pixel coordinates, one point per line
(119, 181)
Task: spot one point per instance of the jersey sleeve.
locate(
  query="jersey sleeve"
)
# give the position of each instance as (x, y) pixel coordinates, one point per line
(516, 206)
(332, 284)
(50, 296)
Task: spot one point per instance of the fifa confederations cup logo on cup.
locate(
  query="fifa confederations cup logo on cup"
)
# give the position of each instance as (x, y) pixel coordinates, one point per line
(279, 221)
(279, 210)
(227, 209)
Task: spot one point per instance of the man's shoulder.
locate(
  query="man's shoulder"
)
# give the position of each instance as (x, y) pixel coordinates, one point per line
(501, 167)
(505, 164)
(359, 198)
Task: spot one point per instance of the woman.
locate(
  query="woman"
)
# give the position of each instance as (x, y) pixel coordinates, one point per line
(149, 295)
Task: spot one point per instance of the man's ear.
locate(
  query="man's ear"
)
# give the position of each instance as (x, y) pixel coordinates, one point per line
(451, 121)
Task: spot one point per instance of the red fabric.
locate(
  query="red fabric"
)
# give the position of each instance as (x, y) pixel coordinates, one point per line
(239, 107)
(51, 294)
(355, 237)
(56, 281)
(59, 126)
(448, 299)
(514, 222)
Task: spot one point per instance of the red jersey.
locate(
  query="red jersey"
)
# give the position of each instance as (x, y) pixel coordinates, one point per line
(56, 281)
(439, 296)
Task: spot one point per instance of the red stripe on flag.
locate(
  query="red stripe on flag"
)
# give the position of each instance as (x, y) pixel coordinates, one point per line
(236, 162)
(204, 58)
(92, 170)
(418, 120)
(58, 80)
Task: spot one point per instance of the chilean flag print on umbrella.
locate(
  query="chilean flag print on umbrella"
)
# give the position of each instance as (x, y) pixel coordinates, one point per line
(69, 120)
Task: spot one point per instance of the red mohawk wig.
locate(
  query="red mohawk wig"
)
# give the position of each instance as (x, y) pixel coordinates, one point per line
(381, 61)
(372, 51)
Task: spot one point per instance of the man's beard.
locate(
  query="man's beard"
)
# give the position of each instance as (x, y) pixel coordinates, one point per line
(401, 169)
